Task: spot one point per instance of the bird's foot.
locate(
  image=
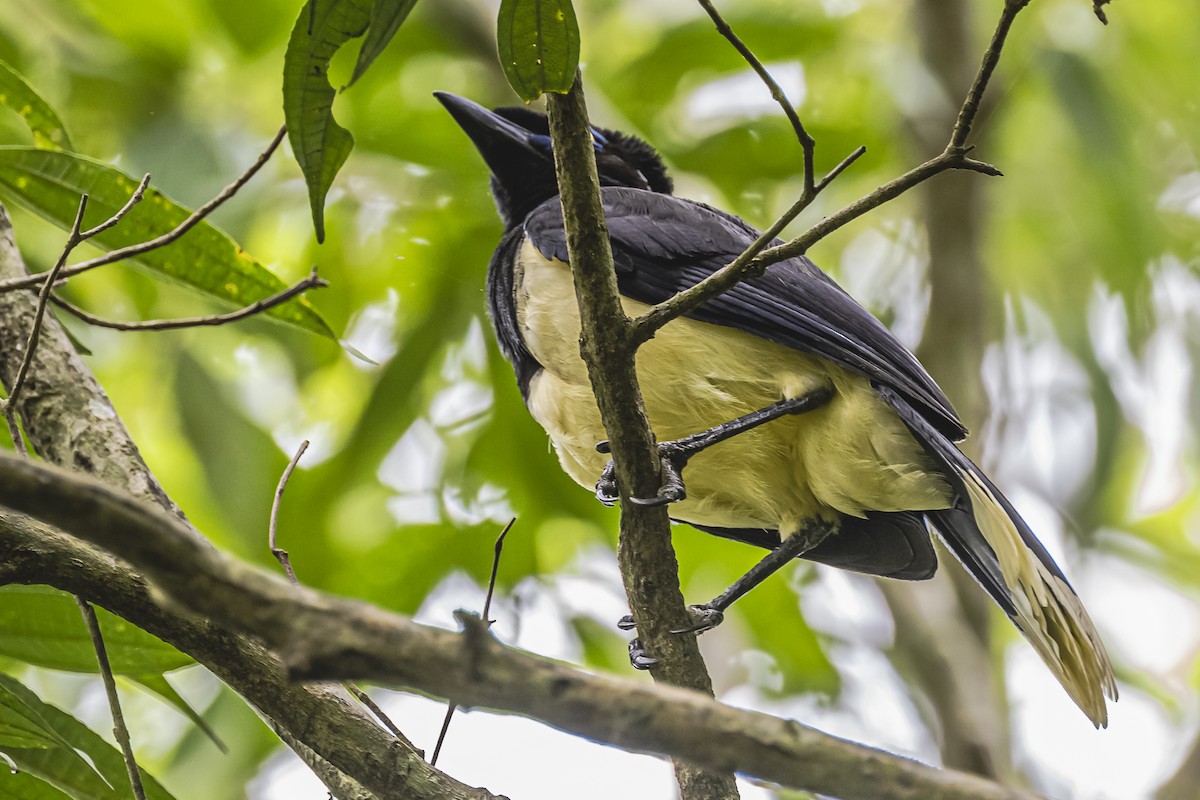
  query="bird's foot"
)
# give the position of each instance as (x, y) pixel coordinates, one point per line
(672, 456)
(704, 618)
(606, 487)
(637, 656)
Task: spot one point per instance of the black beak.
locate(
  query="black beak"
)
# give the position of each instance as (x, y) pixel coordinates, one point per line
(502, 143)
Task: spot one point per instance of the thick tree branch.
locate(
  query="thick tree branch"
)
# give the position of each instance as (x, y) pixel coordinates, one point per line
(955, 156)
(70, 421)
(322, 637)
(645, 554)
(346, 746)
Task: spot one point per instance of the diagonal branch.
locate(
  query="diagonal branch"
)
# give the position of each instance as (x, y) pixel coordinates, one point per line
(807, 143)
(323, 637)
(648, 566)
(134, 250)
(312, 281)
(955, 156)
(70, 421)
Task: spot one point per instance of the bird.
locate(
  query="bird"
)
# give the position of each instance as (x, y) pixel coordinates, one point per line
(787, 414)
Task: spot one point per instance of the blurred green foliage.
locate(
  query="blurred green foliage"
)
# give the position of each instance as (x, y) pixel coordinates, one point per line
(419, 459)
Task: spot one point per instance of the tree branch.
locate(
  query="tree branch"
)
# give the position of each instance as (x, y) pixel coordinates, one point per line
(955, 156)
(350, 744)
(807, 143)
(312, 281)
(70, 421)
(132, 251)
(647, 559)
(321, 637)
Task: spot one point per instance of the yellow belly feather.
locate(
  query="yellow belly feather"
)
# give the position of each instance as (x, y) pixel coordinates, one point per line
(850, 456)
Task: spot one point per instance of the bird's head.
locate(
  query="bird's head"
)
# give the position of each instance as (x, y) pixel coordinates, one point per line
(515, 143)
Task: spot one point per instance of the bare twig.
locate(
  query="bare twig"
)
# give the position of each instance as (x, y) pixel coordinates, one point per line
(954, 156)
(487, 607)
(285, 561)
(280, 554)
(380, 715)
(120, 729)
(645, 326)
(257, 307)
(170, 236)
(75, 237)
(807, 143)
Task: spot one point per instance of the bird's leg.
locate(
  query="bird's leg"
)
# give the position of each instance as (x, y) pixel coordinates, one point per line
(711, 614)
(675, 455)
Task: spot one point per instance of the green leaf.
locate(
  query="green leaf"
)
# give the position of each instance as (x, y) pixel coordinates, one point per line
(49, 183)
(539, 45)
(319, 144)
(43, 627)
(159, 685)
(99, 776)
(386, 18)
(43, 121)
(22, 726)
(23, 786)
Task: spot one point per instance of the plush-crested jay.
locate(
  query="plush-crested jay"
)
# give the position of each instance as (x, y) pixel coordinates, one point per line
(838, 426)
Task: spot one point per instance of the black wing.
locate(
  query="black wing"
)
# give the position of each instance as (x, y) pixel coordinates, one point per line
(663, 244)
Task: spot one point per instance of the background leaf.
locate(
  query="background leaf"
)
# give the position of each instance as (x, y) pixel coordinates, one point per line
(160, 686)
(386, 18)
(539, 45)
(205, 258)
(42, 626)
(43, 121)
(321, 146)
(101, 776)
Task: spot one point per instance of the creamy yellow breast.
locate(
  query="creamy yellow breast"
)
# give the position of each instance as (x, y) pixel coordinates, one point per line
(851, 455)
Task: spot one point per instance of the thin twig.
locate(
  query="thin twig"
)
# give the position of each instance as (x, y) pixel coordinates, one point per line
(954, 156)
(380, 714)
(280, 554)
(487, 607)
(285, 561)
(257, 307)
(645, 326)
(120, 730)
(14, 392)
(807, 143)
(159, 241)
(74, 238)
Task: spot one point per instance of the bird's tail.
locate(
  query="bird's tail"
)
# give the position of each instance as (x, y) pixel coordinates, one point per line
(988, 536)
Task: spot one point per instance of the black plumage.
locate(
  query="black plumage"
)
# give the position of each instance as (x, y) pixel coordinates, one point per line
(874, 459)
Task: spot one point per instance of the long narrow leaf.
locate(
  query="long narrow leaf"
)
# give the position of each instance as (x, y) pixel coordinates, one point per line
(539, 45)
(16, 93)
(159, 685)
(386, 18)
(99, 776)
(319, 143)
(42, 626)
(49, 183)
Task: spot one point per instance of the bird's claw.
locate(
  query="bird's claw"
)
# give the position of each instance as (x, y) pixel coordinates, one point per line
(606, 487)
(672, 459)
(626, 623)
(704, 618)
(637, 656)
